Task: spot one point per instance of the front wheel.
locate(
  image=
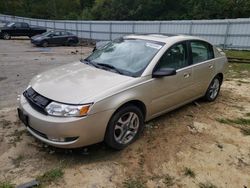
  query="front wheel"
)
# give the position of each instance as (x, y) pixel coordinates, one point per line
(124, 127)
(213, 89)
(6, 36)
(45, 44)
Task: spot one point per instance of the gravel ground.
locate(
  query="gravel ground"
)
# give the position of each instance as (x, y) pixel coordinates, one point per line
(20, 61)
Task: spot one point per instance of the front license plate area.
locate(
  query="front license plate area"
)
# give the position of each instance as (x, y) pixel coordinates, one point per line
(24, 118)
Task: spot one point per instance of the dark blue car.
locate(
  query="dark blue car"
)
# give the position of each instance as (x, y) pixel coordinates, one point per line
(55, 38)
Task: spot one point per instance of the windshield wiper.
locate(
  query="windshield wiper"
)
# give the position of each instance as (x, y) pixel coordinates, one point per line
(110, 67)
(88, 62)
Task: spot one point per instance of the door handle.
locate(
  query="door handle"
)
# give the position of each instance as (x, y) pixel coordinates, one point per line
(211, 66)
(187, 75)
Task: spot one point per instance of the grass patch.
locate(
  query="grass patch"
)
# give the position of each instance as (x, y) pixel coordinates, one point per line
(207, 185)
(133, 183)
(6, 184)
(50, 176)
(168, 180)
(238, 121)
(189, 172)
(245, 131)
(244, 123)
(238, 53)
(238, 70)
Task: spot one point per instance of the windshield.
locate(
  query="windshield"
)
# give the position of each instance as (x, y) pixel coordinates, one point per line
(47, 33)
(10, 24)
(128, 56)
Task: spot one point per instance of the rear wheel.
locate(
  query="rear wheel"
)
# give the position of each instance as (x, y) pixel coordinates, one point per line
(6, 36)
(213, 89)
(124, 127)
(70, 43)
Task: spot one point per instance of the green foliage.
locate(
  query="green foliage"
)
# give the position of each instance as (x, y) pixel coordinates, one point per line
(50, 176)
(127, 10)
(189, 172)
(207, 185)
(244, 124)
(133, 183)
(168, 180)
(6, 184)
(239, 121)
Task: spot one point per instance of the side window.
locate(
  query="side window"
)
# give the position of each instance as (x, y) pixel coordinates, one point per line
(175, 57)
(25, 25)
(18, 25)
(64, 33)
(201, 51)
(58, 33)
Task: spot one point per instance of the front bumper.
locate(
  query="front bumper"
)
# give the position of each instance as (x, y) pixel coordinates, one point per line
(35, 42)
(82, 131)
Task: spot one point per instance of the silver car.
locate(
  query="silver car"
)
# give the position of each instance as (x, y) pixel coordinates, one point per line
(109, 95)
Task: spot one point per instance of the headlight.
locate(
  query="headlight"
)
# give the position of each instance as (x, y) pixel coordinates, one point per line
(65, 110)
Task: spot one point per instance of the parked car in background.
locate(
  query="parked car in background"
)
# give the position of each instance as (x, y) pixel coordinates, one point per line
(110, 94)
(19, 29)
(3, 23)
(55, 38)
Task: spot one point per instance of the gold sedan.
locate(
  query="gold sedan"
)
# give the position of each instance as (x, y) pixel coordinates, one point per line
(109, 95)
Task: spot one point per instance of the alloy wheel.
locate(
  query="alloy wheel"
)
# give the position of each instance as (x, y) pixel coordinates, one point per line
(214, 89)
(126, 128)
(6, 36)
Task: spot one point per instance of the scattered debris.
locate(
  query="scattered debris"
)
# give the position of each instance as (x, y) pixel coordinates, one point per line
(3, 78)
(30, 184)
(189, 172)
(197, 104)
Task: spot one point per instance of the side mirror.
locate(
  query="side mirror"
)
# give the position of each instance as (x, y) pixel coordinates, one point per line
(163, 72)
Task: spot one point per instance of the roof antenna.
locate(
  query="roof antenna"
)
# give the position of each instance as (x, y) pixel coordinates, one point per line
(81, 36)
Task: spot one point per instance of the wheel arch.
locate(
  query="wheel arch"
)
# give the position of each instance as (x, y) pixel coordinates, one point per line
(220, 76)
(139, 104)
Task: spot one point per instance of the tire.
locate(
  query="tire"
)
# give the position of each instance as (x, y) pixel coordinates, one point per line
(6, 36)
(124, 127)
(70, 43)
(213, 89)
(45, 44)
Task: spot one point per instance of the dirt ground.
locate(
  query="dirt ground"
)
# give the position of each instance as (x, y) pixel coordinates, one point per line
(189, 147)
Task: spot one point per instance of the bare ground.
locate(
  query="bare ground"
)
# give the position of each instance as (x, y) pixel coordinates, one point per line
(191, 137)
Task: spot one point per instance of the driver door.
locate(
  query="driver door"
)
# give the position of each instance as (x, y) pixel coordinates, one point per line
(172, 91)
(56, 38)
(17, 29)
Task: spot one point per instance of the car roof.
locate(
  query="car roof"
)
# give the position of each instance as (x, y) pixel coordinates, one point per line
(163, 38)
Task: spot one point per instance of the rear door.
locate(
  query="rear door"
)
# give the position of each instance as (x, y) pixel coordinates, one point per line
(172, 91)
(65, 37)
(203, 64)
(25, 29)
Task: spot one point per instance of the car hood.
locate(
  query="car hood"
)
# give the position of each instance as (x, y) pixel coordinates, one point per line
(3, 27)
(76, 82)
(38, 37)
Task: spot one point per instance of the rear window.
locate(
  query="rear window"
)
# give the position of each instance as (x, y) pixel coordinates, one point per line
(201, 51)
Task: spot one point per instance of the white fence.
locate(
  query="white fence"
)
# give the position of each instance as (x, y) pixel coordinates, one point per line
(229, 33)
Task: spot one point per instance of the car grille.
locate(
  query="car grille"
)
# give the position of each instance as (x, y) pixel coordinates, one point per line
(37, 101)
